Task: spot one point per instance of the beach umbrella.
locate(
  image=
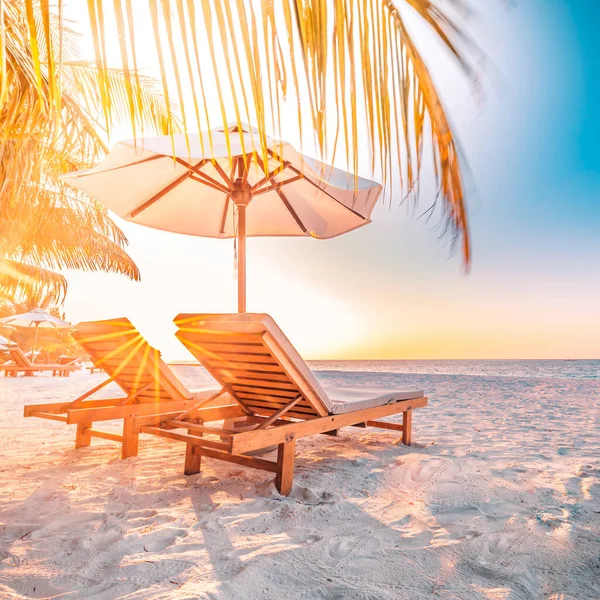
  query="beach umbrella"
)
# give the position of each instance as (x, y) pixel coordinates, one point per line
(36, 318)
(219, 184)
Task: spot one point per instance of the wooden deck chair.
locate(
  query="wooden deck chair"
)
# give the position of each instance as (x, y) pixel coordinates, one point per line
(22, 364)
(149, 385)
(259, 368)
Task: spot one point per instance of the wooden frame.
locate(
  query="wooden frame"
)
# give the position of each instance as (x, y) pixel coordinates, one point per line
(256, 365)
(149, 385)
(281, 432)
(22, 364)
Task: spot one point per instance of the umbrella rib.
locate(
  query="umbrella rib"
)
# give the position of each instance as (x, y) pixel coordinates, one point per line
(222, 173)
(274, 172)
(283, 197)
(133, 164)
(225, 211)
(287, 204)
(142, 207)
(275, 185)
(216, 186)
(197, 170)
(309, 180)
(227, 198)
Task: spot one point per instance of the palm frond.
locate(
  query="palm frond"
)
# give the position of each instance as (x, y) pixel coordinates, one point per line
(51, 106)
(23, 280)
(350, 65)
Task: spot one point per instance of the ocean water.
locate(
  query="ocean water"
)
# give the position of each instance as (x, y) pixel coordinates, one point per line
(424, 373)
(578, 369)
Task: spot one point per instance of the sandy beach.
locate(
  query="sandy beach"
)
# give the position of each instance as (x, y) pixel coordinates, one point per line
(498, 498)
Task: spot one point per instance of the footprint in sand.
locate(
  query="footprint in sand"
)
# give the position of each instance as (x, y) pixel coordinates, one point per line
(351, 552)
(507, 550)
(163, 539)
(302, 536)
(553, 517)
(423, 475)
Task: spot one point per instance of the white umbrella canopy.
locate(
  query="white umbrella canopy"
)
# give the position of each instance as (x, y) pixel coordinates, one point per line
(218, 184)
(36, 318)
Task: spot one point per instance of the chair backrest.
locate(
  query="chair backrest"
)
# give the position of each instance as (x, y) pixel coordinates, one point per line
(118, 348)
(249, 355)
(19, 356)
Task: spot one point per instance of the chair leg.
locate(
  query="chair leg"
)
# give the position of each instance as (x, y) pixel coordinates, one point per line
(193, 462)
(83, 437)
(286, 455)
(130, 439)
(407, 427)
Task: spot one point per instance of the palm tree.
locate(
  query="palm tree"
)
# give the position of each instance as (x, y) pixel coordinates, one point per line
(50, 122)
(263, 56)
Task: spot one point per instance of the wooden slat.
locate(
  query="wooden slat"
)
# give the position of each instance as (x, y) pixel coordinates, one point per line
(188, 439)
(196, 325)
(384, 425)
(222, 337)
(104, 347)
(83, 415)
(242, 348)
(246, 461)
(239, 375)
(201, 428)
(105, 435)
(50, 416)
(241, 366)
(254, 440)
(132, 365)
(151, 397)
(207, 415)
(275, 416)
(60, 407)
(259, 419)
(135, 377)
(267, 411)
(248, 359)
(292, 414)
(276, 403)
(264, 391)
(297, 376)
(249, 396)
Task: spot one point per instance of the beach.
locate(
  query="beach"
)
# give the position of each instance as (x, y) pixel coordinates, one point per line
(497, 498)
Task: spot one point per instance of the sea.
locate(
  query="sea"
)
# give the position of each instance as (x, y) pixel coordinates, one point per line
(392, 372)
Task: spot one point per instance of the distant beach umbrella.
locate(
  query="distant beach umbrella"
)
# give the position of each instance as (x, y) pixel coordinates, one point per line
(36, 318)
(218, 184)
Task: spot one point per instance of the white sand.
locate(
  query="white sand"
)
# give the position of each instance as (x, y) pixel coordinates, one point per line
(498, 498)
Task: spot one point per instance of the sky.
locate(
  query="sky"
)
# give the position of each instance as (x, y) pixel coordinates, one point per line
(392, 289)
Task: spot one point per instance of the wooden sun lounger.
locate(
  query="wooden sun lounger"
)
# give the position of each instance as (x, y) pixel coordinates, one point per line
(259, 368)
(149, 385)
(22, 364)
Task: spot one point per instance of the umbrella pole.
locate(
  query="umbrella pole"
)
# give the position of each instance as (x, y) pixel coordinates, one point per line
(241, 265)
(37, 326)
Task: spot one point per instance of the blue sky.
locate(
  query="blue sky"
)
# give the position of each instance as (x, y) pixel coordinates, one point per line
(391, 289)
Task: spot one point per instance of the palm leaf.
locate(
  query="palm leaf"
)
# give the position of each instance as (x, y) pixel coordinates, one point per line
(50, 106)
(359, 69)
